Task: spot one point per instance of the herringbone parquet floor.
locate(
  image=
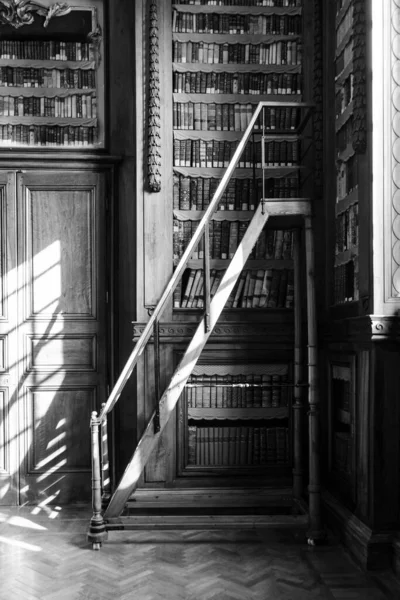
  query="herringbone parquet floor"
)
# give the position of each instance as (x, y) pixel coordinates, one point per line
(45, 556)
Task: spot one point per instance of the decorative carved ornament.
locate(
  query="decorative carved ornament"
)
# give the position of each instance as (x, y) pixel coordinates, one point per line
(359, 137)
(395, 216)
(168, 331)
(154, 140)
(22, 12)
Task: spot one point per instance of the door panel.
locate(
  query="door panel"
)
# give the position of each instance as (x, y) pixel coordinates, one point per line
(8, 343)
(61, 247)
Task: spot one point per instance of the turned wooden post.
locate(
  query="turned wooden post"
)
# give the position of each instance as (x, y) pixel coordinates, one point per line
(297, 375)
(105, 465)
(97, 530)
(315, 532)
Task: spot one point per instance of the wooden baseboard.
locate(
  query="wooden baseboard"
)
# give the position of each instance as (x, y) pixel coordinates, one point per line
(373, 550)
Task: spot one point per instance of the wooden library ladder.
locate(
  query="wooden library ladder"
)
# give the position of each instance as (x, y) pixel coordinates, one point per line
(111, 518)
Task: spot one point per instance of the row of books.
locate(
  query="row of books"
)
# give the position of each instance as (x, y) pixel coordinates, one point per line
(237, 391)
(346, 282)
(344, 136)
(218, 153)
(48, 78)
(345, 26)
(342, 452)
(238, 446)
(255, 288)
(273, 53)
(46, 50)
(236, 24)
(73, 106)
(225, 236)
(47, 135)
(344, 95)
(242, 2)
(200, 82)
(195, 193)
(344, 58)
(232, 116)
(347, 230)
(346, 177)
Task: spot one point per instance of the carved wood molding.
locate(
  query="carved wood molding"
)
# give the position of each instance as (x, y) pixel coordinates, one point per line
(395, 212)
(22, 12)
(376, 328)
(359, 136)
(154, 121)
(268, 333)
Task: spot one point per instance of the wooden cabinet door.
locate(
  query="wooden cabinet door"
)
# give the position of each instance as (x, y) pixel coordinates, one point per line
(8, 343)
(61, 307)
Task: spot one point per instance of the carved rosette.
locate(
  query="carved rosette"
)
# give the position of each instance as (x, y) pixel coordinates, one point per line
(317, 97)
(154, 121)
(395, 292)
(359, 137)
(22, 12)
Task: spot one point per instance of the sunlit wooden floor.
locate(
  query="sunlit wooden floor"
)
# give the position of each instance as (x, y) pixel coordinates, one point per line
(44, 555)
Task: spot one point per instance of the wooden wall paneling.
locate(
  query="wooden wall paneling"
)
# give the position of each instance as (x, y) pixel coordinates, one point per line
(62, 253)
(157, 207)
(363, 433)
(386, 426)
(9, 367)
(124, 93)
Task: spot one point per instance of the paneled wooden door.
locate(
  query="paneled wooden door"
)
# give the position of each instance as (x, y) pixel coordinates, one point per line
(61, 324)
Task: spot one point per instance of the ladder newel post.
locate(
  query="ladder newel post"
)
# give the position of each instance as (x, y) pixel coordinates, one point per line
(298, 470)
(105, 465)
(97, 529)
(156, 334)
(206, 267)
(316, 531)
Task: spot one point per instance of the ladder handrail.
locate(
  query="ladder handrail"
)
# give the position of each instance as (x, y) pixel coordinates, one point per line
(180, 268)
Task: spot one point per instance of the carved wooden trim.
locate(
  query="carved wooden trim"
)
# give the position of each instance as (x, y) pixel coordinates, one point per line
(154, 148)
(375, 328)
(359, 137)
(22, 12)
(395, 213)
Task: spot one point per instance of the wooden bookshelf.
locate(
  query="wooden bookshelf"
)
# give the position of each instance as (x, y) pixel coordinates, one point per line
(52, 90)
(346, 267)
(237, 415)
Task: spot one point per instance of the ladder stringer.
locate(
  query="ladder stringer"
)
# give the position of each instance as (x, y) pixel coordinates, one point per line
(133, 471)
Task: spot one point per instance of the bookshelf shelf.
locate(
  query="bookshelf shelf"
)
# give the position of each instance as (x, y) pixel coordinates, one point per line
(229, 98)
(218, 172)
(35, 63)
(187, 134)
(234, 414)
(344, 257)
(346, 114)
(239, 10)
(44, 92)
(240, 38)
(345, 203)
(344, 74)
(347, 153)
(344, 42)
(342, 12)
(53, 121)
(250, 264)
(234, 67)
